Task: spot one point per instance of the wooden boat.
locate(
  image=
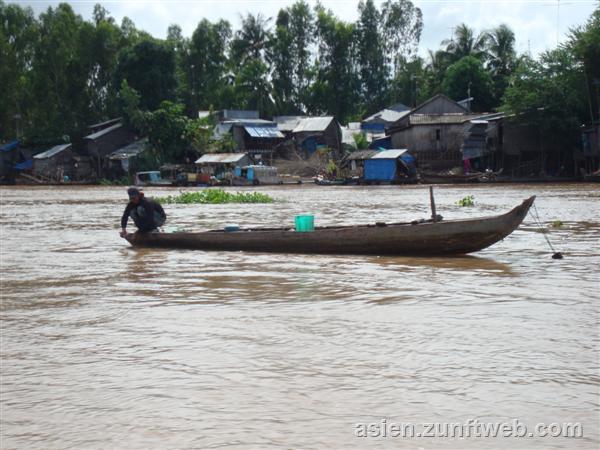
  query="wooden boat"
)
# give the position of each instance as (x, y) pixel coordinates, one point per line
(441, 178)
(449, 237)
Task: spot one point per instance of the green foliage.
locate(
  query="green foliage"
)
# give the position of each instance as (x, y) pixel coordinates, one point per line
(331, 168)
(468, 73)
(548, 95)
(207, 64)
(469, 200)
(361, 141)
(336, 86)
(216, 196)
(557, 224)
(123, 181)
(584, 43)
(149, 68)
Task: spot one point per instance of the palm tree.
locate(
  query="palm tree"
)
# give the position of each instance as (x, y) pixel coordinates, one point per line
(465, 43)
(501, 50)
(252, 40)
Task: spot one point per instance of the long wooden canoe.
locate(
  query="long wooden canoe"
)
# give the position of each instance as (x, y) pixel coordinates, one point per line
(447, 237)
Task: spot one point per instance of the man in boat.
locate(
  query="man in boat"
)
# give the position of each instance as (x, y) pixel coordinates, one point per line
(147, 214)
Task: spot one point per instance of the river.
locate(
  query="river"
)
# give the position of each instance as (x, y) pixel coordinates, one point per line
(106, 346)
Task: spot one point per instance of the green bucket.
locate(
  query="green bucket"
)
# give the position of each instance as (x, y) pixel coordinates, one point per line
(305, 223)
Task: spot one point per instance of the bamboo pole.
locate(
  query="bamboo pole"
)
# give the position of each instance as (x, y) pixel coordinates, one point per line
(432, 201)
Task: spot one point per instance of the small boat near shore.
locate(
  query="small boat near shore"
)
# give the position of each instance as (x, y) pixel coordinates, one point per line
(448, 178)
(418, 238)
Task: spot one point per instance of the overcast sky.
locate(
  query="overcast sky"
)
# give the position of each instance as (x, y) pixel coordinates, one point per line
(536, 23)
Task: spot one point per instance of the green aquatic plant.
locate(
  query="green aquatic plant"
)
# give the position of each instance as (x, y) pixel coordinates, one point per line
(469, 200)
(215, 197)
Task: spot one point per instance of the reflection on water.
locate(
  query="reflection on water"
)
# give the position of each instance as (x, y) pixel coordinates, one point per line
(104, 345)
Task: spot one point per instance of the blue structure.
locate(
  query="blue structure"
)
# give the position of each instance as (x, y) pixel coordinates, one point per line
(381, 144)
(380, 169)
(383, 166)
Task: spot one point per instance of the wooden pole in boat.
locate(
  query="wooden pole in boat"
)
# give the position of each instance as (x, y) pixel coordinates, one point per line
(432, 201)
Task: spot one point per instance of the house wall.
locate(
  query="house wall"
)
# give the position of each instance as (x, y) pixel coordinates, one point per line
(380, 169)
(238, 137)
(430, 152)
(331, 136)
(104, 145)
(440, 105)
(56, 166)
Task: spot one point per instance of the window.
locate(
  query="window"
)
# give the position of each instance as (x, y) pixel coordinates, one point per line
(438, 134)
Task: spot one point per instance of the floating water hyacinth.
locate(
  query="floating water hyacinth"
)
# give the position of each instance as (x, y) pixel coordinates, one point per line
(216, 196)
(469, 200)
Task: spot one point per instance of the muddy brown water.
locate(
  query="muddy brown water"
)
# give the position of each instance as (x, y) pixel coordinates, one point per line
(106, 346)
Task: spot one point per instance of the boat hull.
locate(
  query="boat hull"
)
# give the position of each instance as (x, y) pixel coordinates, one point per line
(451, 237)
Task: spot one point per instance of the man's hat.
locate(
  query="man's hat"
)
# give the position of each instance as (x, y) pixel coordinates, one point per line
(133, 192)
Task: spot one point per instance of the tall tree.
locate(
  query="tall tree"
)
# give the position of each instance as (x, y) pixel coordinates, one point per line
(208, 63)
(584, 43)
(336, 87)
(19, 36)
(548, 95)
(371, 57)
(502, 58)
(280, 56)
(402, 24)
(149, 68)
(465, 42)
(251, 41)
(60, 74)
(291, 57)
(249, 50)
(302, 30)
(467, 77)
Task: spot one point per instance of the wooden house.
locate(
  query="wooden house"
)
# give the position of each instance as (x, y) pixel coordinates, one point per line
(257, 137)
(433, 132)
(313, 133)
(56, 164)
(101, 144)
(220, 165)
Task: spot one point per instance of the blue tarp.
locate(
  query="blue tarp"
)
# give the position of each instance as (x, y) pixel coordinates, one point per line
(9, 146)
(381, 144)
(310, 145)
(380, 169)
(408, 158)
(25, 165)
(373, 127)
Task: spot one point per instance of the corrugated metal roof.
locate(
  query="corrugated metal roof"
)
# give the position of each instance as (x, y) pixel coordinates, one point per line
(287, 123)
(133, 149)
(448, 118)
(52, 152)
(240, 114)
(100, 133)
(105, 123)
(361, 154)
(263, 132)
(221, 158)
(313, 124)
(387, 115)
(389, 154)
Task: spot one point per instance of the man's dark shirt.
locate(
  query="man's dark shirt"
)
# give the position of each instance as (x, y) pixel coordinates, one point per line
(143, 214)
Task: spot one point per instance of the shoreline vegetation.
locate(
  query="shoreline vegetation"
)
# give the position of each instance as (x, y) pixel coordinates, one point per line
(215, 197)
